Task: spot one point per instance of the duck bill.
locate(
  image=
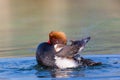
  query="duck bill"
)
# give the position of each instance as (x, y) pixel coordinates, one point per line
(83, 43)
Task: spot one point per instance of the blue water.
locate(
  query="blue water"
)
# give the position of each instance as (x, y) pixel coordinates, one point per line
(26, 68)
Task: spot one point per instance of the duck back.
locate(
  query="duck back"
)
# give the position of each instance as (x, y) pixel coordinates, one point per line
(45, 54)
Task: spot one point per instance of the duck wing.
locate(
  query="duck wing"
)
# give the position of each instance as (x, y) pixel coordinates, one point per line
(67, 51)
(71, 50)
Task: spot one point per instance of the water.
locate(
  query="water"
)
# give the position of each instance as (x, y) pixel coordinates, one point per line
(27, 68)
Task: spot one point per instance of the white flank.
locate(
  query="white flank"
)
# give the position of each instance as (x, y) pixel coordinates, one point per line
(63, 63)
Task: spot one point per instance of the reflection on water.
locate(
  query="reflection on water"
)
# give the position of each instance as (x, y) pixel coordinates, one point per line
(68, 73)
(26, 68)
(26, 23)
(58, 73)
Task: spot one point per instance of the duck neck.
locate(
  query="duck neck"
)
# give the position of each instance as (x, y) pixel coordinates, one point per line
(49, 42)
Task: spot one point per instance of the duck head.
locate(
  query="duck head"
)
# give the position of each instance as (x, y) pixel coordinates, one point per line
(57, 37)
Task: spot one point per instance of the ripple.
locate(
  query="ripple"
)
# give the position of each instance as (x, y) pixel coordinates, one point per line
(26, 67)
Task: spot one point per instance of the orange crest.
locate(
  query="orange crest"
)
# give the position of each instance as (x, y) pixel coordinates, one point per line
(57, 37)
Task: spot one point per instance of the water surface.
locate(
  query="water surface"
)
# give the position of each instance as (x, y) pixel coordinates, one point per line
(27, 68)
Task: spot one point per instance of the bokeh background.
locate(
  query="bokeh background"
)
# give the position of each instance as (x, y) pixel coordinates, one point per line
(26, 23)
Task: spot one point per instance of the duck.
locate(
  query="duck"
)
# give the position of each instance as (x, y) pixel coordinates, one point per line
(45, 51)
(56, 53)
